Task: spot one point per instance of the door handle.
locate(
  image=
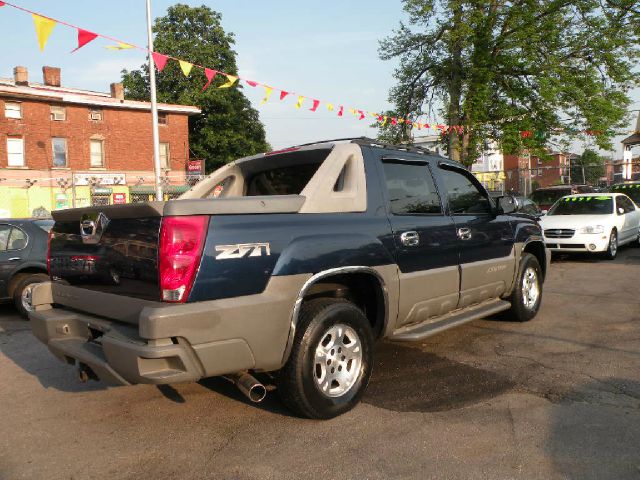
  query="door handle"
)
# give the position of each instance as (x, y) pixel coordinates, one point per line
(14, 259)
(464, 233)
(410, 239)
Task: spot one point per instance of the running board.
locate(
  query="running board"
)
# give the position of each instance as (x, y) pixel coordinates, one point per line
(418, 332)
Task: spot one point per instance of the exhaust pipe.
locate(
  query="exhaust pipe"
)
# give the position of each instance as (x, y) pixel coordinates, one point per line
(249, 386)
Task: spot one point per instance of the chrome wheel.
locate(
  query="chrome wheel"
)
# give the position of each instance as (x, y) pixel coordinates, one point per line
(338, 360)
(530, 288)
(25, 298)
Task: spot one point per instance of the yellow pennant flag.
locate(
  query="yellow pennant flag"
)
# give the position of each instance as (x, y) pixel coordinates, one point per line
(300, 101)
(230, 81)
(267, 94)
(119, 46)
(373, 114)
(330, 107)
(44, 27)
(353, 111)
(185, 67)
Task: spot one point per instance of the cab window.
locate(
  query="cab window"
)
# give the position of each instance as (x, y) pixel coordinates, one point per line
(12, 238)
(411, 189)
(465, 198)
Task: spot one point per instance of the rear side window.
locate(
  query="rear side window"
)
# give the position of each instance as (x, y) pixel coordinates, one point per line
(5, 230)
(549, 197)
(12, 238)
(411, 189)
(282, 181)
(465, 198)
(283, 173)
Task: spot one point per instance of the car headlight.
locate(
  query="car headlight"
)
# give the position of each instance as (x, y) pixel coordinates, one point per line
(592, 229)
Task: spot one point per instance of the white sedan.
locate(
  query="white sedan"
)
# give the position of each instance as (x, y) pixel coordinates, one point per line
(592, 222)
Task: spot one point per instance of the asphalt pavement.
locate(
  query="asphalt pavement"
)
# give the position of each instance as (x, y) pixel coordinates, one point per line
(557, 397)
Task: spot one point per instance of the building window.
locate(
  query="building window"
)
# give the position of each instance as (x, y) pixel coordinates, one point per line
(15, 152)
(12, 110)
(97, 153)
(165, 160)
(162, 118)
(58, 114)
(59, 152)
(95, 114)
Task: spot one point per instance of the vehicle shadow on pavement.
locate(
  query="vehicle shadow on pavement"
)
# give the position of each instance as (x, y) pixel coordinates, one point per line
(406, 379)
(18, 344)
(595, 431)
(628, 255)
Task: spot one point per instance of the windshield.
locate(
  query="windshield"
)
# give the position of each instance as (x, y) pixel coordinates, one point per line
(631, 190)
(591, 205)
(549, 197)
(45, 224)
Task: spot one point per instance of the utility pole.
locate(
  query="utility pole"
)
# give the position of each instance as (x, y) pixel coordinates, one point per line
(154, 108)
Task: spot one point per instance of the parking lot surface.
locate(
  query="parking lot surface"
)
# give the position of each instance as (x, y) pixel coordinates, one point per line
(558, 397)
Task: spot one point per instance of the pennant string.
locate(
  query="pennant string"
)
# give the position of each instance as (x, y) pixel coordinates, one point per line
(45, 25)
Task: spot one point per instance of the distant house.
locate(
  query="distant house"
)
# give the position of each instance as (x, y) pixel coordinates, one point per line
(53, 138)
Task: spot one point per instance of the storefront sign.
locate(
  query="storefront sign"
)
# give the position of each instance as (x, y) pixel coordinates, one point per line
(119, 198)
(195, 168)
(81, 179)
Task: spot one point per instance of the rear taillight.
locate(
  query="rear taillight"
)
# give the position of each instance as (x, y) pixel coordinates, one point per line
(49, 252)
(180, 250)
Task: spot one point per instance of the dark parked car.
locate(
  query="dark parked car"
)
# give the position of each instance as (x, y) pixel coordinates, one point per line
(546, 197)
(23, 259)
(630, 189)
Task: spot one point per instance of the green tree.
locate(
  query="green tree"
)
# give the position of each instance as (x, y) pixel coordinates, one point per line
(228, 127)
(500, 67)
(587, 168)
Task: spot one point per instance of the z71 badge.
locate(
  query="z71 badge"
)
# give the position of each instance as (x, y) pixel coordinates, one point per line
(242, 250)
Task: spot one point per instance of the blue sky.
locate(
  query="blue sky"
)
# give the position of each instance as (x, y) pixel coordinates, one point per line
(325, 50)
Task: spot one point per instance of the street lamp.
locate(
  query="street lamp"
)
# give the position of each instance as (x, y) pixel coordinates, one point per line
(154, 107)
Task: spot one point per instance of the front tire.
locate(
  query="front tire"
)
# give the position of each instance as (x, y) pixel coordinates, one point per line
(22, 292)
(330, 364)
(527, 294)
(612, 248)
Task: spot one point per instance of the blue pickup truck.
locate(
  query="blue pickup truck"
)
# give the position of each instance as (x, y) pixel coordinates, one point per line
(291, 262)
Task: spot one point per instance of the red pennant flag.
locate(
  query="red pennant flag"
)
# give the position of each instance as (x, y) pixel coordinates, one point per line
(394, 121)
(380, 118)
(341, 111)
(361, 115)
(1, 4)
(160, 60)
(315, 105)
(283, 94)
(251, 83)
(426, 125)
(211, 74)
(84, 37)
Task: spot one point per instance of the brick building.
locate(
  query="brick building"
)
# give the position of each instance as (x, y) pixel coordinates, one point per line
(63, 147)
(523, 171)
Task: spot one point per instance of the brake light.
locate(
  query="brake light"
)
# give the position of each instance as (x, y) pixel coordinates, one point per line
(49, 252)
(180, 250)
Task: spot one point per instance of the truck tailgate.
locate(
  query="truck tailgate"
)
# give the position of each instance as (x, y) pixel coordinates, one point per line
(108, 249)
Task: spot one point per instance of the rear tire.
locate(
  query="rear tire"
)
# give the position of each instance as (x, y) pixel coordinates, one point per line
(22, 292)
(527, 293)
(331, 360)
(612, 248)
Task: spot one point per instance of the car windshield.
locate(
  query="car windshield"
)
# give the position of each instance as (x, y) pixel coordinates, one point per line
(587, 205)
(630, 190)
(548, 197)
(45, 225)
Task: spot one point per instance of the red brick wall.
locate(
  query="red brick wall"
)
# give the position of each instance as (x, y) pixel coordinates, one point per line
(127, 137)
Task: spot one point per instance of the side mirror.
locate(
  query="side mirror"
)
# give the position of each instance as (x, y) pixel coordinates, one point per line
(620, 211)
(507, 204)
(544, 212)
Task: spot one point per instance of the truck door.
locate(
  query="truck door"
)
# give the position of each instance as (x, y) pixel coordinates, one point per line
(485, 241)
(424, 241)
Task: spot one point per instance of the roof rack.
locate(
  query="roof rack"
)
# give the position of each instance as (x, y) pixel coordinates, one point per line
(375, 143)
